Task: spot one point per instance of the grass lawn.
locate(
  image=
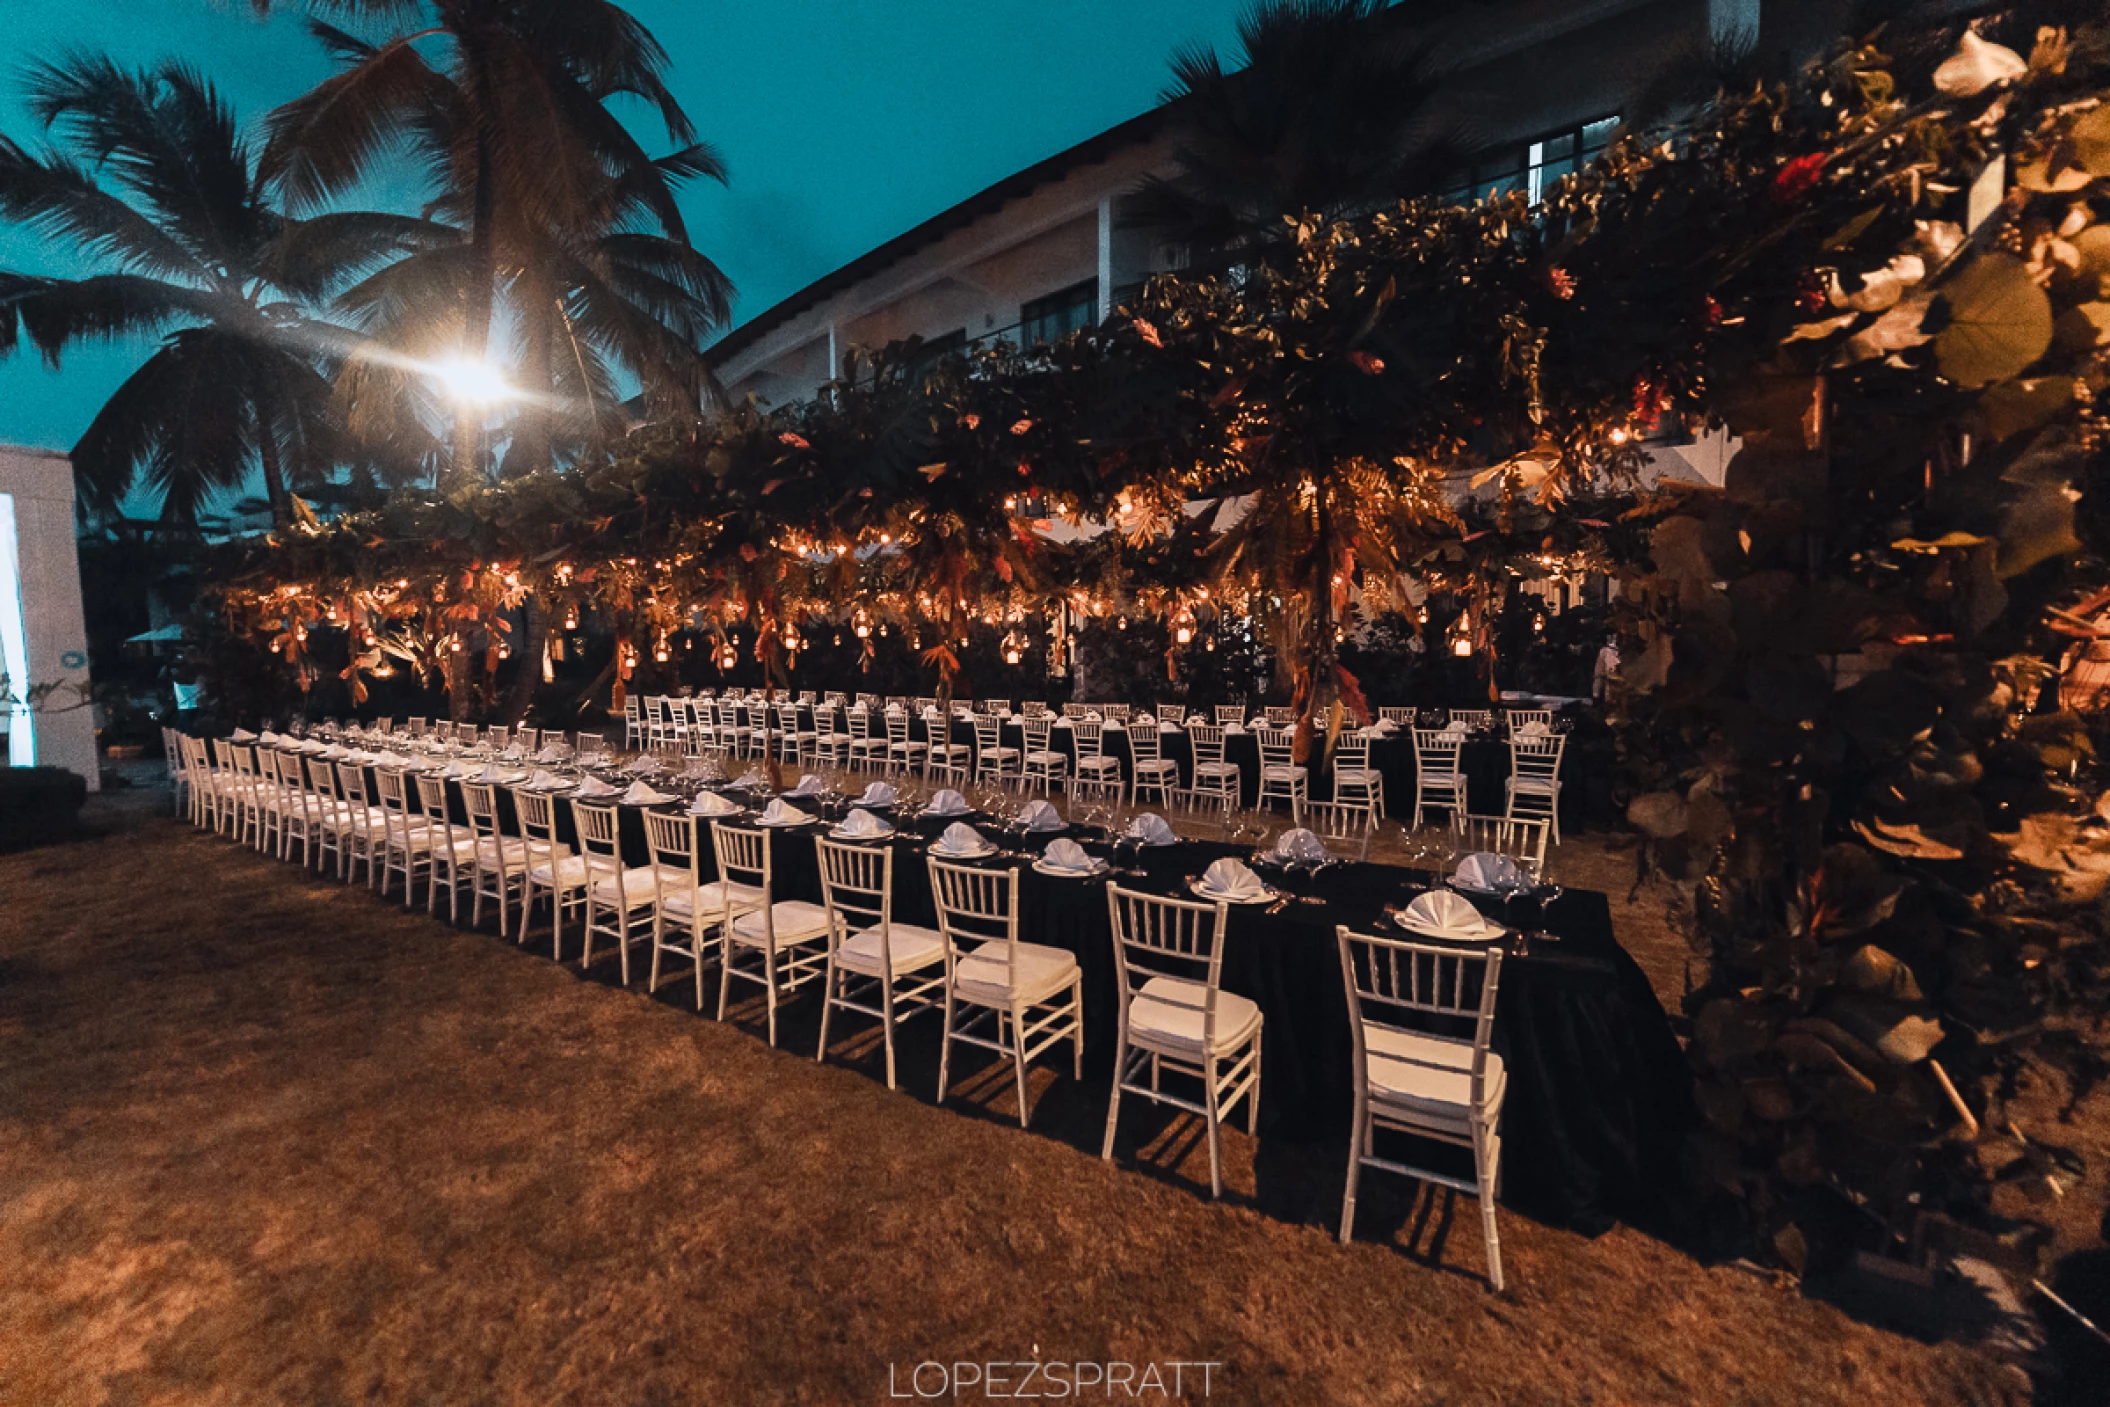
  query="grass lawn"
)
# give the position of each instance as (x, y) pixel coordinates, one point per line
(267, 1140)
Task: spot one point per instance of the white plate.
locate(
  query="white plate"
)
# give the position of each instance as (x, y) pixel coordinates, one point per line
(1099, 867)
(838, 833)
(982, 854)
(1196, 888)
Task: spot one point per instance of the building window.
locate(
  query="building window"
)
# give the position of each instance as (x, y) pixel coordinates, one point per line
(1056, 316)
(1534, 165)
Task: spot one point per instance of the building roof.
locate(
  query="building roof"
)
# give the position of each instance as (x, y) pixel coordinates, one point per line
(1092, 150)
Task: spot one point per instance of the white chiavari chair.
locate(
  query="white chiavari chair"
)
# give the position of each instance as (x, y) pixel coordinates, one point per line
(1211, 772)
(1474, 718)
(733, 735)
(1175, 1014)
(903, 753)
(1017, 999)
(499, 861)
(1149, 768)
(831, 742)
(992, 758)
(498, 737)
(1075, 710)
(1346, 825)
(1035, 708)
(1438, 781)
(795, 740)
(1278, 715)
(1088, 739)
(1415, 1073)
(549, 867)
(333, 821)
(787, 939)
(1403, 716)
(363, 836)
(452, 848)
(876, 967)
(248, 799)
(1041, 762)
(1354, 779)
(1520, 838)
(689, 917)
(467, 734)
(655, 721)
(1520, 718)
(271, 799)
(866, 750)
(1280, 775)
(406, 838)
(949, 757)
(633, 721)
(1115, 712)
(1197, 814)
(1227, 714)
(1535, 778)
(619, 898)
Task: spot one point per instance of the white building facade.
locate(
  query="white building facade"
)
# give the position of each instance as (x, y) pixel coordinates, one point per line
(43, 637)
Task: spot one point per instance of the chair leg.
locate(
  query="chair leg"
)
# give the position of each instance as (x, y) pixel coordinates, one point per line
(828, 1007)
(696, 958)
(1216, 1173)
(1487, 1209)
(1357, 1136)
(769, 971)
(945, 1047)
(725, 976)
(886, 1005)
(1077, 1027)
(1113, 1104)
(1018, 1064)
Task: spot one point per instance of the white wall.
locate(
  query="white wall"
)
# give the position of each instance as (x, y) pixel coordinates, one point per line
(38, 487)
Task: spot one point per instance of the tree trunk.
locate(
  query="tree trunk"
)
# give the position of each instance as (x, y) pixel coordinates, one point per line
(476, 319)
(274, 474)
(458, 683)
(527, 662)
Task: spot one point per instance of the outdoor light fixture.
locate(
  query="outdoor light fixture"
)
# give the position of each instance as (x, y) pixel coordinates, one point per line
(1462, 647)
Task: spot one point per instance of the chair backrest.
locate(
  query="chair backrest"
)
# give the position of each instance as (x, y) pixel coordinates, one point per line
(743, 858)
(857, 889)
(1524, 717)
(827, 719)
(499, 736)
(1142, 742)
(244, 766)
(999, 707)
(896, 729)
(671, 837)
(1038, 727)
(600, 836)
(1230, 713)
(351, 781)
(860, 724)
(1172, 713)
(1474, 717)
(1085, 792)
(1396, 713)
(975, 906)
(870, 701)
(986, 732)
(1035, 708)
(1537, 756)
(417, 727)
(1085, 733)
(1198, 813)
(729, 715)
(1390, 981)
(1206, 741)
(633, 708)
(1074, 710)
(1159, 937)
(530, 739)
(322, 777)
(1277, 746)
(1347, 823)
(395, 806)
(1521, 838)
(836, 697)
(385, 725)
(1351, 749)
(466, 734)
(444, 730)
(1277, 713)
(537, 814)
(1436, 750)
(432, 804)
(1117, 711)
(927, 705)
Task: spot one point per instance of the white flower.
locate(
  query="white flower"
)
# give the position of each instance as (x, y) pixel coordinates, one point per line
(1976, 66)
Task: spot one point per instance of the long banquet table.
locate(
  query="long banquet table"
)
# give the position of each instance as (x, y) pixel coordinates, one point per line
(1598, 1097)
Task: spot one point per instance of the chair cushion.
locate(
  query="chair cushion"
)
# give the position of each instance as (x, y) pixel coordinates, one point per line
(1281, 773)
(1046, 759)
(633, 888)
(1541, 786)
(1166, 1014)
(713, 896)
(1162, 764)
(1429, 1078)
(911, 947)
(796, 921)
(1040, 973)
(568, 873)
(1215, 769)
(1355, 776)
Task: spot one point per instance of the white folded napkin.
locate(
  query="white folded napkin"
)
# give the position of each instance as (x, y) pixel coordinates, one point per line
(1442, 914)
(1300, 844)
(1495, 874)
(594, 787)
(882, 794)
(946, 803)
(1456, 725)
(1067, 854)
(242, 735)
(1386, 725)
(1091, 715)
(894, 708)
(1153, 829)
(504, 776)
(1061, 723)
(641, 766)
(390, 761)
(1533, 729)
(710, 803)
(960, 839)
(267, 736)
(642, 795)
(1040, 816)
(861, 824)
(753, 777)
(780, 812)
(1230, 879)
(515, 753)
(546, 781)
(455, 769)
(555, 752)
(335, 752)
(809, 785)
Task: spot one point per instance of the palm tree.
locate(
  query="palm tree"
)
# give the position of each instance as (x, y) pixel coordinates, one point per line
(1329, 113)
(555, 201)
(151, 178)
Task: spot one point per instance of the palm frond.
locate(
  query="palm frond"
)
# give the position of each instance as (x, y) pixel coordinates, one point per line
(55, 312)
(323, 142)
(61, 202)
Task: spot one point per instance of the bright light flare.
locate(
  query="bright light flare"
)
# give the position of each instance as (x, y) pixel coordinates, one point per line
(472, 382)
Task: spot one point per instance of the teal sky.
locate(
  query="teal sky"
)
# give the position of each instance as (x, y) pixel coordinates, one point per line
(845, 121)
